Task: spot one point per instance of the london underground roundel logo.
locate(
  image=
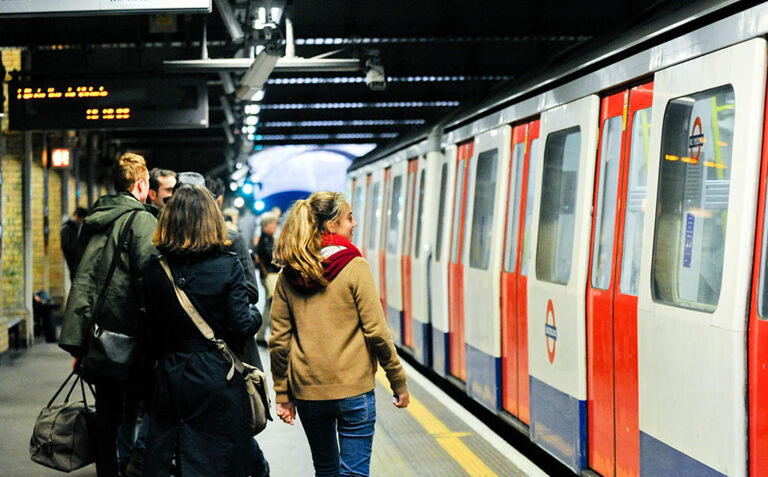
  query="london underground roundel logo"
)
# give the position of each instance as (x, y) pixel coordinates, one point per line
(550, 330)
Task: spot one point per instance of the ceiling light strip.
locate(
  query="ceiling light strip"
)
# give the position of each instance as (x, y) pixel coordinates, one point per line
(324, 137)
(390, 79)
(353, 123)
(390, 104)
(441, 39)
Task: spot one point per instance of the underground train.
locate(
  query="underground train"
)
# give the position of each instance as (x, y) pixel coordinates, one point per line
(586, 254)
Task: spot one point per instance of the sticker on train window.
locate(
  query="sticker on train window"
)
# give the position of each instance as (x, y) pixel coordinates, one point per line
(692, 201)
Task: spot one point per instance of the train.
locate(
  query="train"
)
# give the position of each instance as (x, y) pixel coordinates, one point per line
(585, 253)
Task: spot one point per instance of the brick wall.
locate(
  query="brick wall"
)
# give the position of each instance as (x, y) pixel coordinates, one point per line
(55, 256)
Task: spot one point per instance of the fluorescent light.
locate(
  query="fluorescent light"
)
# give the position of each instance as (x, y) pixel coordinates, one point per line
(247, 188)
(252, 109)
(238, 202)
(251, 120)
(230, 22)
(275, 14)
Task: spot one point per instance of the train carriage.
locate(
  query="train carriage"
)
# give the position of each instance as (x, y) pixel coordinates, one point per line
(584, 255)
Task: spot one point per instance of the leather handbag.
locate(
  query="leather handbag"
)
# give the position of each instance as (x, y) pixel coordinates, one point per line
(109, 354)
(255, 379)
(61, 439)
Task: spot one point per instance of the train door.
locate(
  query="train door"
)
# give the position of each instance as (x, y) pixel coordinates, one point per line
(374, 221)
(621, 177)
(481, 259)
(420, 278)
(514, 319)
(442, 192)
(556, 289)
(697, 263)
(391, 248)
(457, 346)
(758, 332)
(405, 257)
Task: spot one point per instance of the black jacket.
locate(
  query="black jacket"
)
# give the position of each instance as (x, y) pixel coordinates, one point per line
(194, 405)
(68, 235)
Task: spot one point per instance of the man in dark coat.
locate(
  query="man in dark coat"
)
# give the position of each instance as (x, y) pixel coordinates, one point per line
(69, 232)
(122, 311)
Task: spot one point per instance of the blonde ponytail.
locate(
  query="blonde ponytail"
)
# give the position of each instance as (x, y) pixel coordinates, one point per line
(301, 238)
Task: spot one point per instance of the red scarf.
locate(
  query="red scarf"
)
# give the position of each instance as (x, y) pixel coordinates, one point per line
(332, 265)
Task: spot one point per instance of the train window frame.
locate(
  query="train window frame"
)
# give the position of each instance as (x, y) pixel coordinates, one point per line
(420, 212)
(665, 222)
(483, 207)
(554, 258)
(393, 224)
(375, 215)
(632, 239)
(459, 195)
(762, 293)
(513, 207)
(441, 212)
(359, 210)
(530, 198)
(609, 163)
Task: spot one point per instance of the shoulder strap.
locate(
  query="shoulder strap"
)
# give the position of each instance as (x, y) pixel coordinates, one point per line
(120, 246)
(204, 328)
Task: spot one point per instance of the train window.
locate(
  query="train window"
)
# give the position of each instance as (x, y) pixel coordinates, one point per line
(441, 212)
(395, 214)
(557, 218)
(529, 196)
(482, 211)
(374, 216)
(357, 213)
(762, 293)
(407, 223)
(457, 211)
(513, 207)
(635, 202)
(607, 191)
(419, 214)
(692, 203)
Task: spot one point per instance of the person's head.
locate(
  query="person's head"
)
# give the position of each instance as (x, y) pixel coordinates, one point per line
(190, 223)
(301, 240)
(79, 214)
(216, 187)
(129, 174)
(161, 183)
(276, 211)
(268, 222)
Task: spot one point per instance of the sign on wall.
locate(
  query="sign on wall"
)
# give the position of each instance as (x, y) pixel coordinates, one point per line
(46, 7)
(103, 103)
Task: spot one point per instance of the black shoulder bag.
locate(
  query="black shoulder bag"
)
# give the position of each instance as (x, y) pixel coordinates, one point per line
(109, 354)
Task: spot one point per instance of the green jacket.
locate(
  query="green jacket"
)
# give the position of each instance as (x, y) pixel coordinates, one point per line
(123, 310)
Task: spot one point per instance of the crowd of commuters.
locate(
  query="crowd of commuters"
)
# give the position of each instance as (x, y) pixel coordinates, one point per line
(165, 404)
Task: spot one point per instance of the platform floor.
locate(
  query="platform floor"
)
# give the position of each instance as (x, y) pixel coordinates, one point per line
(432, 437)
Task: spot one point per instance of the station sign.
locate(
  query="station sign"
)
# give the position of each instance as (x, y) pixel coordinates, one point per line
(108, 104)
(79, 7)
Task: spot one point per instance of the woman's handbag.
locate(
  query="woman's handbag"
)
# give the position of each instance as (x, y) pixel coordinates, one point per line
(255, 379)
(61, 439)
(110, 354)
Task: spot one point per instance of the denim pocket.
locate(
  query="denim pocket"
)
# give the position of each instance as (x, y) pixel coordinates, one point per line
(357, 409)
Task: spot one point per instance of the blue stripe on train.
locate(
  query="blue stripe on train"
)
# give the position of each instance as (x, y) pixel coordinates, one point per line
(422, 342)
(484, 378)
(395, 322)
(657, 459)
(440, 352)
(559, 424)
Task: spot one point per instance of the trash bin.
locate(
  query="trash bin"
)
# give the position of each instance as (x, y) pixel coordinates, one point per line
(42, 307)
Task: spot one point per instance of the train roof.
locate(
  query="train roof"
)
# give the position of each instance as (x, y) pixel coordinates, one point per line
(668, 35)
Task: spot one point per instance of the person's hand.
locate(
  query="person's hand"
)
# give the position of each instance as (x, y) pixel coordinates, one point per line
(402, 400)
(286, 411)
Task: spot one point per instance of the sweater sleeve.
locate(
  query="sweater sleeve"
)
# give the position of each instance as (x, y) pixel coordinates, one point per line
(375, 325)
(280, 342)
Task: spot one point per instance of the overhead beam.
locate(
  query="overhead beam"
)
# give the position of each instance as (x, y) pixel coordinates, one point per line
(286, 65)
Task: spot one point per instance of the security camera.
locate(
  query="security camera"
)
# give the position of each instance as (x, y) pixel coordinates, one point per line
(374, 75)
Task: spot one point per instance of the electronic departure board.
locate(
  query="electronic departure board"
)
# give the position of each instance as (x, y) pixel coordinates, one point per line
(159, 103)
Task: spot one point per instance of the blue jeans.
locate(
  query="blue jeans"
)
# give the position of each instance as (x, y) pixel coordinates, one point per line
(355, 418)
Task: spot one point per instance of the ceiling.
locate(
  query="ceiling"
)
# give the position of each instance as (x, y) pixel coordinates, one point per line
(436, 54)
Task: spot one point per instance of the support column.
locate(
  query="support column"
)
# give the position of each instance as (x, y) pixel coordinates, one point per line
(27, 214)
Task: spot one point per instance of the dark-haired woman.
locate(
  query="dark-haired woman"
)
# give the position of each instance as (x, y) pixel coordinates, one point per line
(328, 336)
(197, 414)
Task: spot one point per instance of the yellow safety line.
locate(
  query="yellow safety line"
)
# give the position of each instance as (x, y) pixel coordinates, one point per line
(449, 441)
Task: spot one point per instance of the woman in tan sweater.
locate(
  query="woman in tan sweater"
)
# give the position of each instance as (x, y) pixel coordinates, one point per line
(328, 336)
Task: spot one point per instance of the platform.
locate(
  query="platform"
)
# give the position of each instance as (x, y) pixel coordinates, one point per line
(432, 437)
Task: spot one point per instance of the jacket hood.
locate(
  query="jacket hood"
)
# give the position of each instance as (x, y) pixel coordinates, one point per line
(109, 207)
